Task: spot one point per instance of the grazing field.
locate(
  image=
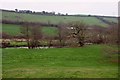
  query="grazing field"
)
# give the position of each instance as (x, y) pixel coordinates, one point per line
(84, 62)
(53, 19)
(50, 31)
(13, 29)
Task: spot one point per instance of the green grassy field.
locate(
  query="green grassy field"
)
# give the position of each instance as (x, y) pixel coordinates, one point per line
(50, 31)
(12, 29)
(15, 29)
(85, 62)
(52, 19)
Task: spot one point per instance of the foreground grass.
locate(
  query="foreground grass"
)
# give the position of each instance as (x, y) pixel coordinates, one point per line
(60, 72)
(86, 62)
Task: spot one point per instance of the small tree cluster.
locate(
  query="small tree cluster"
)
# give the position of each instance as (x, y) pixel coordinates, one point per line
(32, 34)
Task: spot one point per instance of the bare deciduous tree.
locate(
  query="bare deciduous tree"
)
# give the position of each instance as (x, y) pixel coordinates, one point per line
(97, 34)
(25, 30)
(32, 33)
(112, 34)
(62, 33)
(36, 35)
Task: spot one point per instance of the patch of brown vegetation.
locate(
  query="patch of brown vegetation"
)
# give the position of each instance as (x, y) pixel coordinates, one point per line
(115, 61)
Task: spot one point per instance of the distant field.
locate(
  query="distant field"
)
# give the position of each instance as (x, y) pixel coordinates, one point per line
(50, 31)
(15, 30)
(53, 19)
(85, 62)
(11, 29)
(111, 19)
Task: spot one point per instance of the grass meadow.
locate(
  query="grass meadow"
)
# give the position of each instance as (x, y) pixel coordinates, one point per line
(85, 62)
(13, 30)
(53, 19)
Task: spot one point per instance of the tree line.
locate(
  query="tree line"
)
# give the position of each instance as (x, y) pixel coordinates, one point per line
(41, 13)
(53, 13)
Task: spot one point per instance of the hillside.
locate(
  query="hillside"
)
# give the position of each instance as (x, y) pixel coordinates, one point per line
(91, 20)
(102, 21)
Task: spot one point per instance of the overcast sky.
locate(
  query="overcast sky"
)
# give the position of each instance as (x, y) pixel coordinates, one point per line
(93, 7)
